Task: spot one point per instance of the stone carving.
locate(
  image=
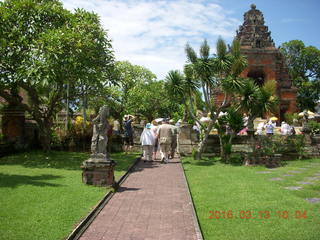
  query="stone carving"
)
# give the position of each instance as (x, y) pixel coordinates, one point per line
(99, 168)
(253, 29)
(100, 133)
(305, 118)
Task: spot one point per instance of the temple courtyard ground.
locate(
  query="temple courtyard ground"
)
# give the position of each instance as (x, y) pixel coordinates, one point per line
(42, 197)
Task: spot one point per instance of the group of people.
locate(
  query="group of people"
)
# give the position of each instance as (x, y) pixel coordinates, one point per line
(286, 129)
(163, 136)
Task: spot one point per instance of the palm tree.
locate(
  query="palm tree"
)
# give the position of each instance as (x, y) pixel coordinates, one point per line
(257, 101)
(228, 126)
(182, 88)
(219, 71)
(175, 84)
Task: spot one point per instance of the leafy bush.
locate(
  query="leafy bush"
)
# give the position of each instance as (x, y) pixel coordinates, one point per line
(268, 146)
(77, 134)
(194, 153)
(289, 117)
(314, 127)
(236, 158)
(191, 121)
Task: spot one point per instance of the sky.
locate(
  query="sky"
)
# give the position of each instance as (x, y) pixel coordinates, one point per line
(154, 33)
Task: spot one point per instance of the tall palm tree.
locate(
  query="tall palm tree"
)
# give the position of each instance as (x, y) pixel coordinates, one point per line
(219, 71)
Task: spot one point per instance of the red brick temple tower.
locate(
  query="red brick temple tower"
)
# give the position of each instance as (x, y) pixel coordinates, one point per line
(265, 62)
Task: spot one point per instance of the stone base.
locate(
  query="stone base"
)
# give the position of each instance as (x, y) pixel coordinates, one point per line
(98, 171)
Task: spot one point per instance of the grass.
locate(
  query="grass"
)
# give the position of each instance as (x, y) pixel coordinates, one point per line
(233, 193)
(42, 196)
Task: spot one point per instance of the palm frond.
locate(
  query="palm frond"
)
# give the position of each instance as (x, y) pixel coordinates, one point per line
(175, 83)
(238, 65)
(204, 50)
(235, 49)
(270, 86)
(191, 54)
(232, 84)
(221, 48)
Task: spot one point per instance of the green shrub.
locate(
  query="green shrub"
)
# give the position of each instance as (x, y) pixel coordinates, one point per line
(268, 146)
(194, 153)
(236, 158)
(314, 127)
(289, 117)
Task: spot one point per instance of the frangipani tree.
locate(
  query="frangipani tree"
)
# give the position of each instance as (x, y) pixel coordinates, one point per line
(45, 48)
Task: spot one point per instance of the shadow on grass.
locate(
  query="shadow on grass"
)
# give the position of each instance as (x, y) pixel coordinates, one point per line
(12, 181)
(53, 159)
(62, 160)
(202, 162)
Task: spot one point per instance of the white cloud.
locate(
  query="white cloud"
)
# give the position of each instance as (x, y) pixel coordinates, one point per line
(154, 33)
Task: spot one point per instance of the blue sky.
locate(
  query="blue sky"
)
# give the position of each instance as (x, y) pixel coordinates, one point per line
(153, 33)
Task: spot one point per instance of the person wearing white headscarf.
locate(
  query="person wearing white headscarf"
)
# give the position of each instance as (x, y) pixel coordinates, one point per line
(147, 140)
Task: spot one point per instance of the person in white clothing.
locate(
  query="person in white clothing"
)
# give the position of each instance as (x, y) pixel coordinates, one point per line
(147, 140)
(285, 129)
(260, 128)
(269, 128)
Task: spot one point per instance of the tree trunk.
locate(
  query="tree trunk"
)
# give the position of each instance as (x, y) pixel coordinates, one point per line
(204, 140)
(67, 109)
(222, 152)
(45, 134)
(84, 110)
(185, 113)
(250, 132)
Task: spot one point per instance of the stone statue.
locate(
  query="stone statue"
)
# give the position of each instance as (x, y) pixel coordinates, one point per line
(305, 127)
(100, 133)
(98, 170)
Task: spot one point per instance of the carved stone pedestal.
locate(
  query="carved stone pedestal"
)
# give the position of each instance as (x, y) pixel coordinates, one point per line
(98, 171)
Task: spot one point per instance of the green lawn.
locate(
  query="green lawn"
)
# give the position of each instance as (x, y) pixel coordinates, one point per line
(234, 193)
(42, 196)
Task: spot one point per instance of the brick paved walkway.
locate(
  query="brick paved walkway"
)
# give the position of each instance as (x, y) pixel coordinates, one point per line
(153, 203)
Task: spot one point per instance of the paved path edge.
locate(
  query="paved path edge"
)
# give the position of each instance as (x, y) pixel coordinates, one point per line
(85, 223)
(194, 213)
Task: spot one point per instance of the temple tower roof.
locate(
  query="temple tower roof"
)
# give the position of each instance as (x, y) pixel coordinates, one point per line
(253, 33)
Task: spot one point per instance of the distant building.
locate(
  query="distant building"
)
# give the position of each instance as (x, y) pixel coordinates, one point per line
(265, 61)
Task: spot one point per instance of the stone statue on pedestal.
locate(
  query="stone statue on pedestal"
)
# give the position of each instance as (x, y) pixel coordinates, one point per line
(99, 139)
(305, 119)
(99, 168)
